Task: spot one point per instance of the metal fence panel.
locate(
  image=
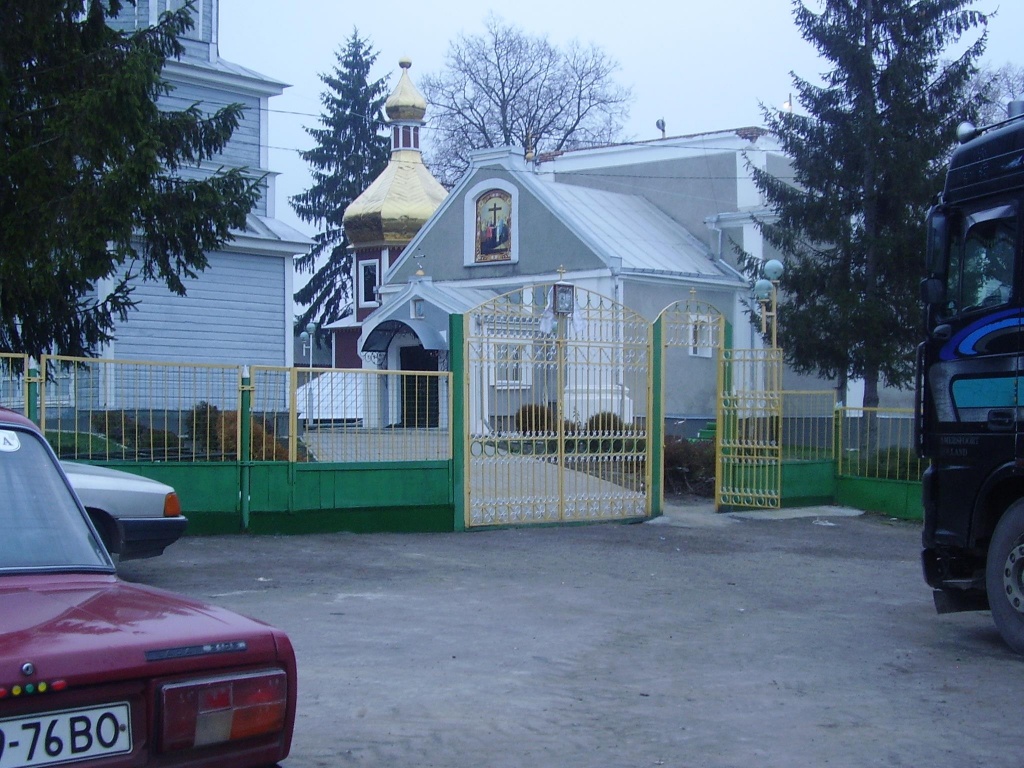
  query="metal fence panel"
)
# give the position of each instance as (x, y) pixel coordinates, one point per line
(138, 411)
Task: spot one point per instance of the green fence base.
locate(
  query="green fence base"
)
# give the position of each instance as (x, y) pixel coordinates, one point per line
(895, 498)
(806, 483)
(310, 498)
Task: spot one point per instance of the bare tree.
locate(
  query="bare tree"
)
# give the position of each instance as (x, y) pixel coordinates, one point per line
(505, 87)
(998, 86)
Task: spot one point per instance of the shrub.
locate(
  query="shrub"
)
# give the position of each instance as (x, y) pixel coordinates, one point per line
(124, 428)
(606, 421)
(201, 422)
(533, 419)
(690, 466)
(217, 432)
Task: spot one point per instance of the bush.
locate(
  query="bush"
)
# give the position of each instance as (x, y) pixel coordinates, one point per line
(606, 421)
(534, 419)
(217, 432)
(124, 428)
(690, 466)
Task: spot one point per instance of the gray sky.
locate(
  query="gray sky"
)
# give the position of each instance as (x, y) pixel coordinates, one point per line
(700, 66)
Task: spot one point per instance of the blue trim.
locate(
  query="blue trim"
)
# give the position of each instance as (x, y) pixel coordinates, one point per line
(967, 341)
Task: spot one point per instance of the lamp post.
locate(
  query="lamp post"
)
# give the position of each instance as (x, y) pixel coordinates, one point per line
(766, 291)
(308, 336)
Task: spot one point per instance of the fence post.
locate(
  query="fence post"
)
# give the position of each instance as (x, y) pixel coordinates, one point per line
(656, 429)
(245, 443)
(459, 406)
(32, 391)
(838, 438)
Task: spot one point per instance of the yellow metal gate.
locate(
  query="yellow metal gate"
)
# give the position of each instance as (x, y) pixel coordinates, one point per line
(558, 394)
(750, 429)
(692, 336)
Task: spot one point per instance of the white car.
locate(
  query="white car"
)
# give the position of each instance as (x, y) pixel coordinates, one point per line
(136, 517)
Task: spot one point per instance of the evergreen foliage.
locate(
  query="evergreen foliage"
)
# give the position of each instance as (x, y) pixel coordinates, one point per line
(96, 192)
(351, 152)
(867, 158)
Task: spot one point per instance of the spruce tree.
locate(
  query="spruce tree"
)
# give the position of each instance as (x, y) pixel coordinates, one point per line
(867, 157)
(93, 186)
(351, 152)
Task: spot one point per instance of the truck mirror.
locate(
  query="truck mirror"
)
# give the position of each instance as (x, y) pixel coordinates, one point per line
(933, 290)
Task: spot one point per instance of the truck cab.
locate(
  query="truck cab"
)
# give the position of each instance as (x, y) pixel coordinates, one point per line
(970, 410)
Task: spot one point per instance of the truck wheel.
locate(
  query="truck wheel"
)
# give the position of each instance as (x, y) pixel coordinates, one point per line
(1004, 576)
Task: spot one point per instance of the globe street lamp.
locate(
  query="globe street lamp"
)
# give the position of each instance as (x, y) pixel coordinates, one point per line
(308, 336)
(766, 291)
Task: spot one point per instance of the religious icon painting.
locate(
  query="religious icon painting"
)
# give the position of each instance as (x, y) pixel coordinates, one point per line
(493, 226)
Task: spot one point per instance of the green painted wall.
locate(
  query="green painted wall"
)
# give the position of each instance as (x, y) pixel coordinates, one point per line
(805, 483)
(895, 498)
(307, 498)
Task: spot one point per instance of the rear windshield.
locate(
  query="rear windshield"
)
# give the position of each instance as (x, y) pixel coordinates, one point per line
(41, 526)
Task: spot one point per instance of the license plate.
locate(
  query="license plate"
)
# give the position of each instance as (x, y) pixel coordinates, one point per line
(52, 738)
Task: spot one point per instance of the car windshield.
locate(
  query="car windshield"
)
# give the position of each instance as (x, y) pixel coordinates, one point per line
(41, 526)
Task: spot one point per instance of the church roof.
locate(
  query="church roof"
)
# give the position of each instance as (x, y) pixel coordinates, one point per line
(381, 326)
(393, 208)
(405, 102)
(398, 202)
(627, 227)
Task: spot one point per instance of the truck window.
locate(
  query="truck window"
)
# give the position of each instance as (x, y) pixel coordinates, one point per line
(981, 265)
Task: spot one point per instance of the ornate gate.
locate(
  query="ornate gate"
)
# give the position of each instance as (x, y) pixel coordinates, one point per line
(692, 335)
(750, 429)
(558, 398)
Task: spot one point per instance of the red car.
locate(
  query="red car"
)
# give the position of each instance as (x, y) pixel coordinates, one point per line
(98, 672)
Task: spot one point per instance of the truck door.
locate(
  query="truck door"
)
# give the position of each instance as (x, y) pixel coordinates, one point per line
(972, 356)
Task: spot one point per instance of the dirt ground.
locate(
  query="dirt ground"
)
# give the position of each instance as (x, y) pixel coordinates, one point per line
(693, 640)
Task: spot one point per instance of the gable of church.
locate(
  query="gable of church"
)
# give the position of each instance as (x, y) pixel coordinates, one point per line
(493, 227)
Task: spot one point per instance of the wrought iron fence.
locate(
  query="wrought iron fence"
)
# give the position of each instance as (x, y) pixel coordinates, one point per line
(113, 410)
(353, 415)
(14, 372)
(878, 443)
(864, 442)
(103, 410)
(808, 425)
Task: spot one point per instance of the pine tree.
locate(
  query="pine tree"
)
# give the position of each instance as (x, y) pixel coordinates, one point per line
(351, 152)
(866, 160)
(91, 173)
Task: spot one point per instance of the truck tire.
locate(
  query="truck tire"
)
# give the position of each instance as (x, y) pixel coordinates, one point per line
(1004, 576)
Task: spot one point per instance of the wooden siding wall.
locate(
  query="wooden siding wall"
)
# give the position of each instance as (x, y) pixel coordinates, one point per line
(233, 314)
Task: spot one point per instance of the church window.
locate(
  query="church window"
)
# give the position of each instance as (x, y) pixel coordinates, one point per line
(702, 335)
(494, 226)
(368, 275)
(491, 223)
(511, 364)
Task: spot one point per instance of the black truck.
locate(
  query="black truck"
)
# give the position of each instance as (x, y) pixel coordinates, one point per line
(969, 399)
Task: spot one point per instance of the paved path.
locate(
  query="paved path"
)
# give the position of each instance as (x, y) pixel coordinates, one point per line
(695, 640)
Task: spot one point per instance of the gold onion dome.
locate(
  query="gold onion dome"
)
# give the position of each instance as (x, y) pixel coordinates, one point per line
(393, 208)
(405, 102)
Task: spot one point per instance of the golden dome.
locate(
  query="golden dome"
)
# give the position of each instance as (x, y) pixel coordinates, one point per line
(395, 206)
(405, 102)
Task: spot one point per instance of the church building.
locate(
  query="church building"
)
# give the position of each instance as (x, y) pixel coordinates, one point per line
(645, 224)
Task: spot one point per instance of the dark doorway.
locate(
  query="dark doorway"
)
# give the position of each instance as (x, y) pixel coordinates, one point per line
(420, 405)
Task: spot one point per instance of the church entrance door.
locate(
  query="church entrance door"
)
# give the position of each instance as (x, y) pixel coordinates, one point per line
(420, 403)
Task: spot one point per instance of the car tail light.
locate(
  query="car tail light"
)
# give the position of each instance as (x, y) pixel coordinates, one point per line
(172, 505)
(215, 710)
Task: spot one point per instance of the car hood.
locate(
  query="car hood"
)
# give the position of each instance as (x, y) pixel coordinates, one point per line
(85, 629)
